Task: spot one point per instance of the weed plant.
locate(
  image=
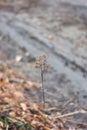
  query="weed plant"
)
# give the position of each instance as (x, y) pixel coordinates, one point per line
(43, 65)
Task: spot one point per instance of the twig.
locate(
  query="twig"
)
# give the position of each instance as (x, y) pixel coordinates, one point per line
(71, 100)
(72, 113)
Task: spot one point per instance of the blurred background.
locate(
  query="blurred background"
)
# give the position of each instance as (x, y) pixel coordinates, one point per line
(58, 28)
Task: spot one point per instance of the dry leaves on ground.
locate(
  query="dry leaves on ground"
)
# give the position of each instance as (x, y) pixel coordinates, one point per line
(16, 112)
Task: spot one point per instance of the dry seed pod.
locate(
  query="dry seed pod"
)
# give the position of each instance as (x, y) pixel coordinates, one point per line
(37, 64)
(42, 63)
(47, 66)
(42, 57)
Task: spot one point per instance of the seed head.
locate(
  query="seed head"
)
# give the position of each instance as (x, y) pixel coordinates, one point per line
(41, 62)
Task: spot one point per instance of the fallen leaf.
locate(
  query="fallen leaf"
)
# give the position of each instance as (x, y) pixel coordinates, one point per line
(23, 106)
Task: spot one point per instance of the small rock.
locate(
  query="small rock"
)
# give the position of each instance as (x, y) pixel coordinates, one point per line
(18, 58)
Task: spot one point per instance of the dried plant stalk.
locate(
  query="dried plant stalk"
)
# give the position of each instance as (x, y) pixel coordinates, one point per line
(41, 63)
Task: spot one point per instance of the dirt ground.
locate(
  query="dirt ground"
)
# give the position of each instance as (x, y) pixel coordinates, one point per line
(58, 28)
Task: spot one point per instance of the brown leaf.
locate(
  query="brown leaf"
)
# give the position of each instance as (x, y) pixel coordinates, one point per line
(23, 106)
